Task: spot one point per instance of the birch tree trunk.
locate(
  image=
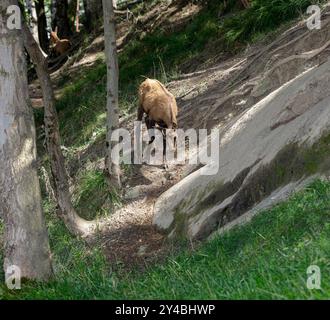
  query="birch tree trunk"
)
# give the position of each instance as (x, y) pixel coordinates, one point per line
(26, 238)
(72, 220)
(112, 170)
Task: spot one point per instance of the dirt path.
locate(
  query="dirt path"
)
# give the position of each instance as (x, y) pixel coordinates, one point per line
(129, 238)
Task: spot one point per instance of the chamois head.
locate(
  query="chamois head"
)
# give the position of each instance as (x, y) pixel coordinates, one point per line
(54, 37)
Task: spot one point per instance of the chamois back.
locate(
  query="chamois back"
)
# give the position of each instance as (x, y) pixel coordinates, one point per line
(158, 103)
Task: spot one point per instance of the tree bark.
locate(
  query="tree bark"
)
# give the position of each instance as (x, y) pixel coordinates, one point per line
(112, 169)
(77, 16)
(74, 223)
(93, 13)
(33, 19)
(42, 25)
(26, 238)
(61, 18)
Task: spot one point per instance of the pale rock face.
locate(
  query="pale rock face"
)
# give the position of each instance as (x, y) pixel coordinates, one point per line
(273, 145)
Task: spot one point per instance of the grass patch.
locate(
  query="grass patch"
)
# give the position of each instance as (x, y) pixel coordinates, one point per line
(92, 196)
(265, 259)
(82, 106)
(262, 16)
(79, 268)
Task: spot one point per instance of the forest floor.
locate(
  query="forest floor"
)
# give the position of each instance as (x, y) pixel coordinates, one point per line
(127, 236)
(211, 88)
(200, 56)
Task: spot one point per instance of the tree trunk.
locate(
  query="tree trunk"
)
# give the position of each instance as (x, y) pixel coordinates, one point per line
(61, 18)
(26, 238)
(77, 16)
(33, 19)
(42, 25)
(73, 222)
(112, 170)
(93, 13)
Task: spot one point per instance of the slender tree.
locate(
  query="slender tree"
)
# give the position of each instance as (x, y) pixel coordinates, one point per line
(72, 220)
(26, 238)
(61, 18)
(32, 17)
(93, 13)
(77, 16)
(112, 169)
(42, 25)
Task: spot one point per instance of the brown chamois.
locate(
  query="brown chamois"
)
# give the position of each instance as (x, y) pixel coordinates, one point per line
(158, 103)
(160, 107)
(60, 46)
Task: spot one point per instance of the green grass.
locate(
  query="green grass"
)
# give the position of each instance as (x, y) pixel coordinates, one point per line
(263, 16)
(82, 106)
(265, 259)
(92, 197)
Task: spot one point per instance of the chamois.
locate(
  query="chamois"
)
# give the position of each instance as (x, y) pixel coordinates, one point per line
(60, 46)
(160, 107)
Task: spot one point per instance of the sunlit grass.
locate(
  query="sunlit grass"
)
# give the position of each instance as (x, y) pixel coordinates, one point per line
(265, 259)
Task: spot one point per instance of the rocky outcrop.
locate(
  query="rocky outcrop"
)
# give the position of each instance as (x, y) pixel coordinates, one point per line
(278, 142)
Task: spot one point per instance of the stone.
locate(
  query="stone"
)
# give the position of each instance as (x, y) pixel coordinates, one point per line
(281, 140)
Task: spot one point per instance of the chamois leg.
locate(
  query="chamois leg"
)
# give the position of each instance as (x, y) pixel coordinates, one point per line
(163, 128)
(165, 166)
(140, 112)
(150, 126)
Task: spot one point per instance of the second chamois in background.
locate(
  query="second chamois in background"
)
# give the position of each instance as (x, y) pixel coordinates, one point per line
(59, 46)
